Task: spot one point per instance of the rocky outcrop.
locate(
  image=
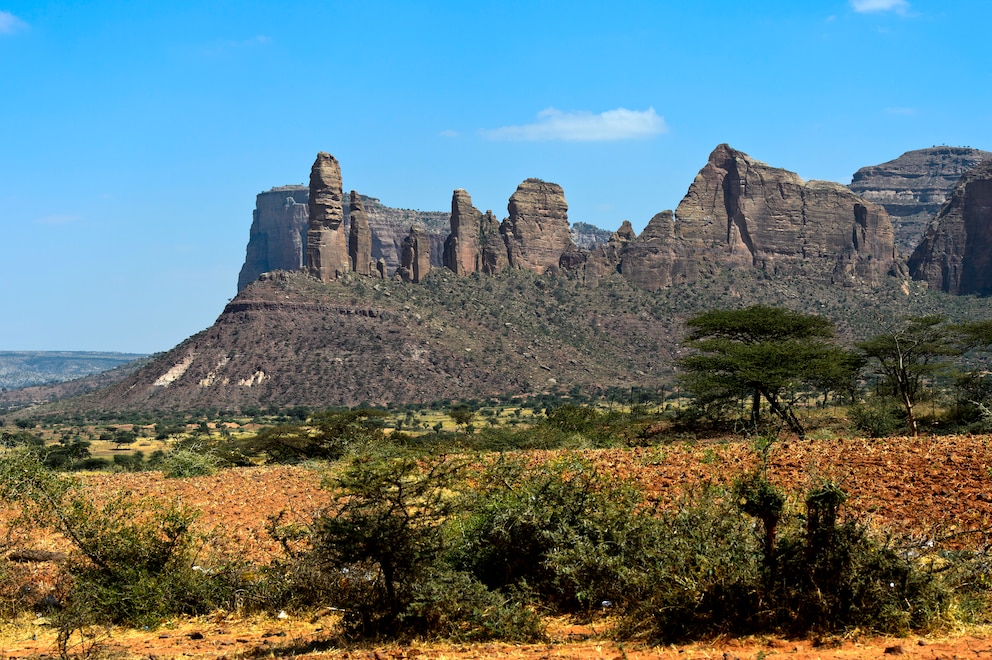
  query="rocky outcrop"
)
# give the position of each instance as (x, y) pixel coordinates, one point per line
(492, 245)
(955, 254)
(278, 235)
(586, 236)
(652, 261)
(462, 252)
(359, 237)
(327, 247)
(416, 257)
(742, 213)
(536, 233)
(913, 187)
(390, 227)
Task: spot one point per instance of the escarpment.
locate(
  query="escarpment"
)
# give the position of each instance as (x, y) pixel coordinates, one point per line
(742, 213)
(955, 254)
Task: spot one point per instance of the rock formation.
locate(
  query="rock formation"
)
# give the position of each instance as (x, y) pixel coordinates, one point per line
(462, 252)
(416, 258)
(913, 187)
(955, 254)
(359, 237)
(327, 247)
(492, 244)
(740, 212)
(390, 227)
(651, 261)
(278, 235)
(536, 233)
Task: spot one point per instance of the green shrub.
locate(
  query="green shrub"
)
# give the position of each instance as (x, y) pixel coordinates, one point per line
(183, 463)
(133, 560)
(876, 419)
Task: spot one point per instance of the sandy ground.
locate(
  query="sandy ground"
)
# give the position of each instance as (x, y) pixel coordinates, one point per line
(926, 487)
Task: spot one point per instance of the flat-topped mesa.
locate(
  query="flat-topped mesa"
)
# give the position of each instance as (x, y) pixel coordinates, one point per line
(327, 247)
(416, 256)
(742, 213)
(914, 186)
(277, 239)
(955, 254)
(536, 233)
(462, 251)
(359, 237)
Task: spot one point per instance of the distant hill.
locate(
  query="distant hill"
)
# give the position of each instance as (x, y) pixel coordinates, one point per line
(290, 340)
(26, 368)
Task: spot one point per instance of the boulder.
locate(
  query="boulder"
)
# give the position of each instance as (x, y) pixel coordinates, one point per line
(914, 186)
(359, 237)
(327, 247)
(536, 233)
(955, 254)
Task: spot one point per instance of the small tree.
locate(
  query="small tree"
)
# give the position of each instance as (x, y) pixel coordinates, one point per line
(383, 534)
(763, 353)
(908, 356)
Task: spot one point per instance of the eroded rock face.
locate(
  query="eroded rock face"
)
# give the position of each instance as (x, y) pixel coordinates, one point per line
(492, 245)
(536, 233)
(278, 235)
(327, 247)
(416, 256)
(359, 237)
(914, 186)
(462, 252)
(650, 261)
(955, 254)
(742, 213)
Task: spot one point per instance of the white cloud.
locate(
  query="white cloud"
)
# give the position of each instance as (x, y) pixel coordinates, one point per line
(553, 124)
(9, 24)
(866, 6)
(448, 133)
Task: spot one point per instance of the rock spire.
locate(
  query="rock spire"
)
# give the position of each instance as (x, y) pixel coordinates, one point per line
(359, 237)
(327, 248)
(536, 233)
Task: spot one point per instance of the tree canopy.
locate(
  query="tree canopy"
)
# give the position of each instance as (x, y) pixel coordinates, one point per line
(765, 353)
(909, 355)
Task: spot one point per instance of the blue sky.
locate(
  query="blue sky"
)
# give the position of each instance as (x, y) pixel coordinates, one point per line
(134, 136)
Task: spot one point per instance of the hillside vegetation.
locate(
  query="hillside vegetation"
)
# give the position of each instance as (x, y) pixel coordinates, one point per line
(288, 340)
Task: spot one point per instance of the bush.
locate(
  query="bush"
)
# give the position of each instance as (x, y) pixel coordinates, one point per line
(133, 559)
(714, 575)
(183, 463)
(876, 419)
(560, 530)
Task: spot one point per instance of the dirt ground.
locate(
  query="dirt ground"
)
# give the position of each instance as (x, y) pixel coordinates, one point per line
(928, 488)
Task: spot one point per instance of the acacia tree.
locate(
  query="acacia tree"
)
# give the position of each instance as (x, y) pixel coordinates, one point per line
(907, 356)
(765, 353)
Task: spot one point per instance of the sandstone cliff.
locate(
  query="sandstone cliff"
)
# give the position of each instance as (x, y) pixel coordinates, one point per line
(415, 263)
(277, 240)
(462, 252)
(359, 237)
(913, 187)
(742, 213)
(955, 254)
(327, 247)
(278, 235)
(536, 233)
